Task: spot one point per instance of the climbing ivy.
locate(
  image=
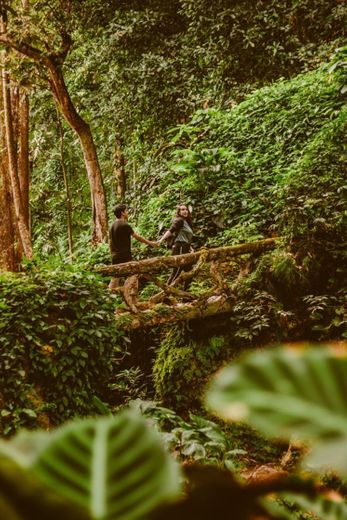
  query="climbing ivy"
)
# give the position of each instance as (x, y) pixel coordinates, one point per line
(58, 346)
(183, 364)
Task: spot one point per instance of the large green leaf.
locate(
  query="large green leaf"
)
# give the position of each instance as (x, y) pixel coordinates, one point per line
(322, 508)
(23, 497)
(328, 455)
(25, 446)
(114, 467)
(286, 393)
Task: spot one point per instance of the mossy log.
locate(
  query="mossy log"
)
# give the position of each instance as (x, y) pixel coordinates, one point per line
(156, 264)
(162, 314)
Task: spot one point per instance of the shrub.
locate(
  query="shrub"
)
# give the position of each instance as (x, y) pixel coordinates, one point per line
(58, 346)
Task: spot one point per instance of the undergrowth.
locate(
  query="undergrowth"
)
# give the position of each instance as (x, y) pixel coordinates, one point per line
(59, 346)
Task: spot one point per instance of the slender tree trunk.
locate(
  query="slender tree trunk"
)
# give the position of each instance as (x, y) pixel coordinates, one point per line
(98, 199)
(53, 65)
(12, 164)
(14, 104)
(67, 189)
(23, 157)
(10, 252)
(119, 171)
(20, 118)
(20, 129)
(23, 163)
(8, 258)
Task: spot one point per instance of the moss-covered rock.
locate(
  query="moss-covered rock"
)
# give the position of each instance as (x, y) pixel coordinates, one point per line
(183, 365)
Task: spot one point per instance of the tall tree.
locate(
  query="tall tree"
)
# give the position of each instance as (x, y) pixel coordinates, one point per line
(46, 42)
(11, 148)
(7, 222)
(119, 170)
(23, 158)
(67, 188)
(15, 236)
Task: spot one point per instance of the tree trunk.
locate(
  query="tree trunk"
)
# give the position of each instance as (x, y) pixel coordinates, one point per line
(162, 314)
(153, 265)
(12, 164)
(14, 104)
(67, 189)
(53, 64)
(8, 259)
(119, 170)
(23, 166)
(98, 199)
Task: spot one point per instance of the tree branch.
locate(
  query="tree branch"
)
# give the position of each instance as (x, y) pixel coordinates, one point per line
(22, 48)
(156, 264)
(162, 314)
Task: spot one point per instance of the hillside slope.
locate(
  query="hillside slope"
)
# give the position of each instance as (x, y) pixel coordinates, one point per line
(273, 164)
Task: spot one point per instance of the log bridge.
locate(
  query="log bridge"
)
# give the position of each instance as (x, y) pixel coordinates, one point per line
(172, 303)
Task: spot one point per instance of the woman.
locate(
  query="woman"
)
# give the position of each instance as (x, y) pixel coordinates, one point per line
(181, 231)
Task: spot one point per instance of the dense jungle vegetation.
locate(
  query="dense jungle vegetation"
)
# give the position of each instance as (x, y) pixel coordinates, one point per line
(237, 108)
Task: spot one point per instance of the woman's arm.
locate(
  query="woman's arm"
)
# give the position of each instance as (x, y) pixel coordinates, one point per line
(173, 230)
(166, 235)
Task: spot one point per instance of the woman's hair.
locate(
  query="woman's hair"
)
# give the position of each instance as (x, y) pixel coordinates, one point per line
(189, 217)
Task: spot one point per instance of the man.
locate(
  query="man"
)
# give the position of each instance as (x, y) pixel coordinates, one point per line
(120, 240)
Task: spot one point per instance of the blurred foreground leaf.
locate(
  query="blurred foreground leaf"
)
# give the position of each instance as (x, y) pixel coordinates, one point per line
(113, 467)
(286, 393)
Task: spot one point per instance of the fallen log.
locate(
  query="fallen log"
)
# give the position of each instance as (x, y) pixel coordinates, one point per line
(156, 264)
(162, 314)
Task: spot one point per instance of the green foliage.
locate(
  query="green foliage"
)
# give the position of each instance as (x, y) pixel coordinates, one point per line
(327, 314)
(290, 394)
(113, 468)
(58, 346)
(250, 172)
(203, 441)
(182, 366)
(48, 195)
(168, 58)
(196, 439)
(306, 506)
(23, 497)
(90, 257)
(339, 64)
(137, 69)
(128, 384)
(257, 318)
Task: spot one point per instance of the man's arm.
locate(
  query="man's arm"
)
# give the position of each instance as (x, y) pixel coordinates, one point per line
(144, 240)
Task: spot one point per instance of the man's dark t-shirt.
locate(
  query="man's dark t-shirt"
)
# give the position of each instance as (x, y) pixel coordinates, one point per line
(120, 241)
